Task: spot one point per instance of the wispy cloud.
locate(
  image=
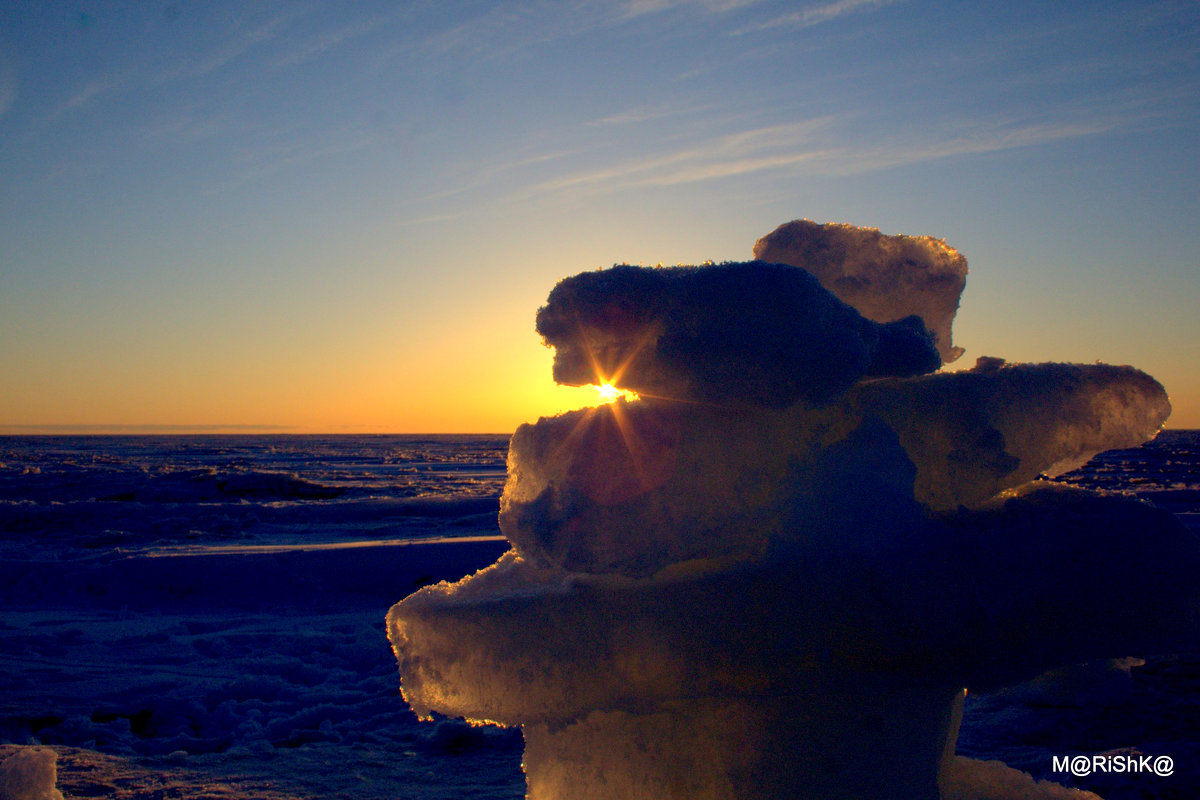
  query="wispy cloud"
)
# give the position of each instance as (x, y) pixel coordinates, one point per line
(815, 15)
(821, 146)
(87, 94)
(979, 141)
(731, 167)
(184, 127)
(641, 114)
(239, 42)
(639, 8)
(265, 158)
(722, 156)
(505, 29)
(431, 219)
(510, 28)
(481, 177)
(332, 39)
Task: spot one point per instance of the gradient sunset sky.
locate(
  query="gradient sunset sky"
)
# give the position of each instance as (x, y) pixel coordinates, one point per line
(343, 216)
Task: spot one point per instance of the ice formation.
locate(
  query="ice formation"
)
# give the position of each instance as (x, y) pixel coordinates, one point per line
(760, 333)
(884, 277)
(30, 774)
(775, 572)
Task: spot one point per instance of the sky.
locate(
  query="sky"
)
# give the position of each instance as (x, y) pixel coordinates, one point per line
(343, 217)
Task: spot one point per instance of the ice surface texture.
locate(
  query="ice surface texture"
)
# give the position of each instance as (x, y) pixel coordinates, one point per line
(984, 598)
(632, 488)
(755, 332)
(30, 774)
(774, 573)
(885, 277)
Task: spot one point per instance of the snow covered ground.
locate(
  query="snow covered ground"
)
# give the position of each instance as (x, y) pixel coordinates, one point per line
(204, 616)
(226, 644)
(227, 701)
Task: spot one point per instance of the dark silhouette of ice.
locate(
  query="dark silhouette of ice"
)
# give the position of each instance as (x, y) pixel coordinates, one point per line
(775, 573)
(758, 333)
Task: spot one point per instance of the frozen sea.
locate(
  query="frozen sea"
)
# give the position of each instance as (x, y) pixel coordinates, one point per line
(202, 616)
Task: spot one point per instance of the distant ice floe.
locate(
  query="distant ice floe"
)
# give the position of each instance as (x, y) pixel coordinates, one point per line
(775, 573)
(69, 498)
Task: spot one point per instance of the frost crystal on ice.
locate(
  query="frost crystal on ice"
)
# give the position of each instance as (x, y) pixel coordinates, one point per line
(774, 573)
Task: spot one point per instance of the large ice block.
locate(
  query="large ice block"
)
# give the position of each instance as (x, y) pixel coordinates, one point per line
(754, 332)
(632, 488)
(973, 434)
(885, 277)
(774, 573)
(984, 598)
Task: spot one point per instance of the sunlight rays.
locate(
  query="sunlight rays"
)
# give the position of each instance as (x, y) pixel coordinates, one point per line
(613, 410)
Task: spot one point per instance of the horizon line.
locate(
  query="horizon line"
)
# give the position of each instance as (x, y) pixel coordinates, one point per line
(265, 430)
(100, 429)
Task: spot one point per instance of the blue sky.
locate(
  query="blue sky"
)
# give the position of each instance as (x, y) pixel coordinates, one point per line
(343, 216)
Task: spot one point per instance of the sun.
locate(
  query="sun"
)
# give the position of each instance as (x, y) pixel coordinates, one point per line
(608, 392)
